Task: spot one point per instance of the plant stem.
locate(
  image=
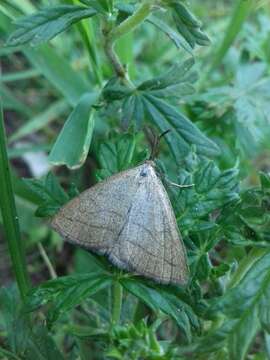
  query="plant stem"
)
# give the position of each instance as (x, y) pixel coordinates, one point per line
(118, 67)
(132, 21)
(47, 261)
(240, 14)
(125, 27)
(241, 11)
(10, 218)
(117, 302)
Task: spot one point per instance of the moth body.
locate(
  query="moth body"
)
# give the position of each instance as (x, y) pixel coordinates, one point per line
(129, 218)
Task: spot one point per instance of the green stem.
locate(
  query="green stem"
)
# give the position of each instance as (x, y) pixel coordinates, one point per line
(125, 27)
(118, 67)
(10, 218)
(241, 11)
(240, 14)
(117, 302)
(132, 21)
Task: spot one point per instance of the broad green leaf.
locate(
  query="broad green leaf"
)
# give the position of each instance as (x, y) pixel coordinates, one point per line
(66, 292)
(72, 145)
(47, 23)
(159, 299)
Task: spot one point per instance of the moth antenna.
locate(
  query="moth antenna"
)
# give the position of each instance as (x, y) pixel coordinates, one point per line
(178, 185)
(156, 143)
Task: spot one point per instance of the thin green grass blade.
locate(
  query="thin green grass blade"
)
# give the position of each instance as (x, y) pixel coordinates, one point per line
(41, 120)
(239, 16)
(10, 218)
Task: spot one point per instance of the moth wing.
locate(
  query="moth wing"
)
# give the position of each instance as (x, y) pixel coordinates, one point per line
(94, 218)
(150, 243)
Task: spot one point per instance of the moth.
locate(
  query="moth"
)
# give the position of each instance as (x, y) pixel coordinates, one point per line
(129, 218)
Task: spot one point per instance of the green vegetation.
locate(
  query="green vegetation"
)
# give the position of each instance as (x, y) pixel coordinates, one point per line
(86, 86)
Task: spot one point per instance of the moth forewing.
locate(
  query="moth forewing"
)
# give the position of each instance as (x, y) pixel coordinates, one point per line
(129, 218)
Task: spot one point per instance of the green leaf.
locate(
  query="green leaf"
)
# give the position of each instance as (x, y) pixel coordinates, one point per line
(72, 145)
(159, 299)
(48, 189)
(34, 342)
(248, 302)
(179, 41)
(183, 135)
(41, 346)
(47, 23)
(171, 33)
(146, 102)
(49, 193)
(118, 154)
(175, 83)
(101, 6)
(213, 189)
(249, 99)
(10, 316)
(188, 26)
(66, 292)
(265, 181)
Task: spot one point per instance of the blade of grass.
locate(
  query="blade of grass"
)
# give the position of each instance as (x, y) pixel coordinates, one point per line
(59, 72)
(19, 75)
(41, 120)
(239, 16)
(87, 35)
(10, 218)
(53, 66)
(12, 103)
(240, 13)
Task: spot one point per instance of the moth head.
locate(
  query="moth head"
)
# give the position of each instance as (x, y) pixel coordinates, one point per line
(147, 169)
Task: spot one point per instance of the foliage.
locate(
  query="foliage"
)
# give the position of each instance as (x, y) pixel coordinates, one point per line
(121, 73)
